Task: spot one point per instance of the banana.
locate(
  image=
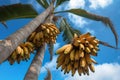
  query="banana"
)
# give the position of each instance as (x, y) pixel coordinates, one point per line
(22, 52)
(87, 50)
(18, 50)
(86, 43)
(43, 27)
(61, 50)
(72, 55)
(63, 67)
(91, 66)
(29, 44)
(31, 37)
(76, 64)
(75, 35)
(85, 35)
(14, 55)
(61, 57)
(68, 49)
(73, 71)
(82, 62)
(41, 34)
(11, 61)
(25, 49)
(69, 67)
(81, 53)
(59, 63)
(80, 70)
(90, 46)
(81, 47)
(93, 53)
(77, 55)
(66, 59)
(88, 59)
(48, 31)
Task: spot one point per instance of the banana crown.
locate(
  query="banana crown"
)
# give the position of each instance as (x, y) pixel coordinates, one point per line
(77, 55)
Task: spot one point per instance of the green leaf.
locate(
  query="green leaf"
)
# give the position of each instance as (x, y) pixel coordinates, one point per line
(43, 3)
(105, 20)
(68, 31)
(50, 48)
(59, 2)
(17, 11)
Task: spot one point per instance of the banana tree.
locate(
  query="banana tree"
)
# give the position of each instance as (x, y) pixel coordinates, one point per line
(32, 30)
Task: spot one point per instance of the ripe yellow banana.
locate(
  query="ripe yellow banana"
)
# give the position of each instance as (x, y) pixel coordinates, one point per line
(31, 37)
(68, 49)
(73, 71)
(61, 50)
(81, 53)
(76, 64)
(67, 59)
(81, 47)
(25, 49)
(77, 57)
(18, 50)
(87, 50)
(69, 67)
(88, 59)
(61, 57)
(82, 62)
(91, 66)
(72, 55)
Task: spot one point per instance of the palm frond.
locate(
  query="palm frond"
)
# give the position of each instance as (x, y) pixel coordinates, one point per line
(43, 3)
(59, 2)
(17, 11)
(105, 20)
(68, 31)
(106, 44)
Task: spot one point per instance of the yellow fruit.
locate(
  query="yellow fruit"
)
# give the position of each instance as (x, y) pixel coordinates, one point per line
(81, 53)
(18, 50)
(73, 71)
(68, 49)
(69, 67)
(80, 70)
(91, 66)
(29, 44)
(31, 37)
(82, 62)
(77, 55)
(93, 61)
(87, 50)
(72, 55)
(66, 59)
(81, 47)
(61, 50)
(76, 64)
(88, 59)
(25, 49)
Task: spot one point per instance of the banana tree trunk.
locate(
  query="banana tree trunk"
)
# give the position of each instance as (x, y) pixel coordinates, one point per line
(8, 45)
(34, 69)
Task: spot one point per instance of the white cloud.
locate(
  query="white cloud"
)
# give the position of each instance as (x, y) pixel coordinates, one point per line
(76, 4)
(99, 3)
(51, 65)
(90, 30)
(76, 20)
(102, 72)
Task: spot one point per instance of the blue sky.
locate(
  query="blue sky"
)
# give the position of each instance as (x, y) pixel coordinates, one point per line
(108, 59)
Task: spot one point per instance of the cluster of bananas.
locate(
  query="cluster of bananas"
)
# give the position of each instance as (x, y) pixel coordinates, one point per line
(46, 33)
(77, 55)
(22, 52)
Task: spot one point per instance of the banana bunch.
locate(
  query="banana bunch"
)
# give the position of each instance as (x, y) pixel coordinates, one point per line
(22, 52)
(77, 55)
(45, 33)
